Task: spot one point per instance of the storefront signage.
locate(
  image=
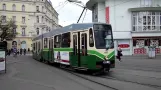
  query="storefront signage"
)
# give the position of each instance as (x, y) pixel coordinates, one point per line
(107, 15)
(124, 45)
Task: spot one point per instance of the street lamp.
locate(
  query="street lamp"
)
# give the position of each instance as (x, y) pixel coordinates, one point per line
(78, 3)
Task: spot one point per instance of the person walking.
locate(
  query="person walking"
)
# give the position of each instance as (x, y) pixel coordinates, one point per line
(20, 51)
(24, 51)
(119, 53)
(9, 52)
(15, 52)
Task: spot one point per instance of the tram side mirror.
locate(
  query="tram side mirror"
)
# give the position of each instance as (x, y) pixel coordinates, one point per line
(107, 48)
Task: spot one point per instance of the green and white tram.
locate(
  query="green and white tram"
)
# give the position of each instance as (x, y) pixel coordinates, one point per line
(85, 46)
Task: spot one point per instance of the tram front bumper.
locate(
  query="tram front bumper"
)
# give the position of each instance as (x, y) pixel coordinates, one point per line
(103, 64)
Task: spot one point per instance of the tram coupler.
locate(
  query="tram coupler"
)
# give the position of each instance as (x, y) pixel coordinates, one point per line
(106, 65)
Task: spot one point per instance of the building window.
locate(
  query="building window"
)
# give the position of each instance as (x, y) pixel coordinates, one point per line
(146, 3)
(37, 8)
(23, 32)
(46, 29)
(14, 7)
(23, 20)
(42, 19)
(42, 31)
(49, 29)
(37, 31)
(23, 7)
(14, 18)
(4, 7)
(3, 19)
(42, 8)
(146, 21)
(37, 19)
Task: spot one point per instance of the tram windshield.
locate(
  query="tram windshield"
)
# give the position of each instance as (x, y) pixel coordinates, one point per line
(103, 36)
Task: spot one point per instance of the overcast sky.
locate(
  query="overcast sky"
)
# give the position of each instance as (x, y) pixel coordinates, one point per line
(69, 13)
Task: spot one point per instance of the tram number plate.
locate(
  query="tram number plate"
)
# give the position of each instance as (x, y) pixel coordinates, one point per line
(106, 62)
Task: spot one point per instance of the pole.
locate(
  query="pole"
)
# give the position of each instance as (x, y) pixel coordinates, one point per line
(81, 14)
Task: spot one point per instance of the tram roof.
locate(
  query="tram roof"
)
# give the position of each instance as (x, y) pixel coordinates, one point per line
(72, 27)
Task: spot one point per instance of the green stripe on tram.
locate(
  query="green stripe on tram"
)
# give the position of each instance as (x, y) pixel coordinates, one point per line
(91, 52)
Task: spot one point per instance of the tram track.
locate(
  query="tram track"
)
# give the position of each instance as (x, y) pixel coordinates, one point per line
(71, 71)
(85, 78)
(110, 78)
(128, 81)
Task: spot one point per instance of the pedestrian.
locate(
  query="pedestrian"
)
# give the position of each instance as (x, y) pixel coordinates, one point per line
(24, 51)
(119, 53)
(15, 52)
(7, 52)
(20, 51)
(28, 49)
(11, 50)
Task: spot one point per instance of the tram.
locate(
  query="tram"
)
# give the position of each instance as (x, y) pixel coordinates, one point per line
(83, 46)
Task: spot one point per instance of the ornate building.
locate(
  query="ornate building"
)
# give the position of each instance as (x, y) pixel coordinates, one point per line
(32, 17)
(136, 23)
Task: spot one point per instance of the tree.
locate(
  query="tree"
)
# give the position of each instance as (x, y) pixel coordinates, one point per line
(7, 27)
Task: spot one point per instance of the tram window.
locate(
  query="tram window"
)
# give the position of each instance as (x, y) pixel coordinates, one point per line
(49, 43)
(57, 41)
(91, 41)
(52, 43)
(84, 44)
(45, 43)
(75, 44)
(36, 46)
(65, 40)
(39, 47)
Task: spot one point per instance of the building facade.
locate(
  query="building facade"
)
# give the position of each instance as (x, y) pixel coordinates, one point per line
(136, 24)
(32, 17)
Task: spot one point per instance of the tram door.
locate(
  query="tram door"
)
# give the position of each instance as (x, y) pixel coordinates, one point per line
(79, 48)
(52, 46)
(76, 50)
(49, 52)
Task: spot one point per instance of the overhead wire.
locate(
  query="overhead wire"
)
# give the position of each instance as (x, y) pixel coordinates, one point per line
(62, 6)
(84, 15)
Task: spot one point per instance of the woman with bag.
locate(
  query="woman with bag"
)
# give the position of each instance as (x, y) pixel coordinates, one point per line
(119, 53)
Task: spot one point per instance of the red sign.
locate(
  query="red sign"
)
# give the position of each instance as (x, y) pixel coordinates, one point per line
(107, 15)
(140, 51)
(157, 51)
(124, 45)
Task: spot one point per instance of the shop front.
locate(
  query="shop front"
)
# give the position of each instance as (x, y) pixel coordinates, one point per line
(141, 45)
